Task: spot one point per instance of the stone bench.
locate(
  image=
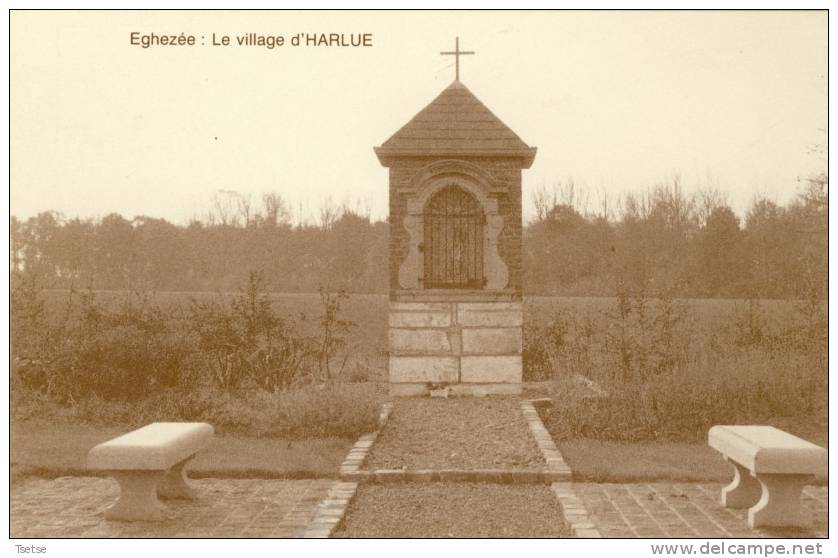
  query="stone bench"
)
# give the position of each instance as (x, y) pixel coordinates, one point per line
(149, 462)
(770, 469)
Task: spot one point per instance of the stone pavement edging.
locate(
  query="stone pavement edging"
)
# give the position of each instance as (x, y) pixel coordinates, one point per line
(557, 473)
(552, 456)
(555, 470)
(355, 458)
(574, 511)
(330, 511)
(499, 476)
(575, 514)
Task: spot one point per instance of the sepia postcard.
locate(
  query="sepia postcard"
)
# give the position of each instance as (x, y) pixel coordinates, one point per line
(554, 276)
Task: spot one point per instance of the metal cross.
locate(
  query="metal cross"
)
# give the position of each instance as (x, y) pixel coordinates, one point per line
(457, 52)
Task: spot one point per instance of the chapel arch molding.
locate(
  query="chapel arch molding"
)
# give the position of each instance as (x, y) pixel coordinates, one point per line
(427, 182)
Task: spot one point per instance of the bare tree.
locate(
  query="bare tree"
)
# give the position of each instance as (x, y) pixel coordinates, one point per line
(244, 205)
(328, 213)
(567, 193)
(635, 207)
(544, 200)
(707, 200)
(604, 212)
(358, 206)
(571, 196)
(223, 210)
(275, 209)
(669, 203)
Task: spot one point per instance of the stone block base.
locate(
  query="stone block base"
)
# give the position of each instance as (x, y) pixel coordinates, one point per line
(414, 368)
(475, 347)
(496, 369)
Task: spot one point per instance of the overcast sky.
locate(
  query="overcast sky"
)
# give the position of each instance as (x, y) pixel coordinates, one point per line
(617, 101)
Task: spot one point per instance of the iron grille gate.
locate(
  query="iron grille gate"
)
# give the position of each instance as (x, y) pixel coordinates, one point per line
(453, 241)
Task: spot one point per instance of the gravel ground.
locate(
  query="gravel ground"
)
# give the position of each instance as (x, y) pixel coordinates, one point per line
(463, 510)
(467, 433)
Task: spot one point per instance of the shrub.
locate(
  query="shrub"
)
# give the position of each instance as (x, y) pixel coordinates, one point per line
(558, 345)
(645, 337)
(333, 328)
(246, 342)
(543, 342)
(749, 324)
(318, 410)
(122, 354)
(129, 362)
(804, 331)
(659, 384)
(361, 370)
(27, 320)
(746, 388)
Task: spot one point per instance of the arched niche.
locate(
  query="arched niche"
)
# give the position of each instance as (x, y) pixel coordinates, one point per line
(452, 245)
(429, 181)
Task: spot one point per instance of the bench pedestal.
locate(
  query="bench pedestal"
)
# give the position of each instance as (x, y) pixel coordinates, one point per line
(137, 497)
(779, 505)
(770, 469)
(774, 500)
(174, 484)
(147, 463)
(744, 491)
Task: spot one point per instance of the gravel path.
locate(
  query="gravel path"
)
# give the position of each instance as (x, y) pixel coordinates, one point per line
(464, 510)
(467, 433)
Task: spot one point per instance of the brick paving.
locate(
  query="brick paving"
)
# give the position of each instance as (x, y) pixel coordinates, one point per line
(72, 507)
(683, 510)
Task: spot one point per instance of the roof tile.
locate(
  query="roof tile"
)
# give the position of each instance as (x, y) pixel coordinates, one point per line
(455, 121)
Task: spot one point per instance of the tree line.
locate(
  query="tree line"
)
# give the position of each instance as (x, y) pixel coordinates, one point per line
(661, 241)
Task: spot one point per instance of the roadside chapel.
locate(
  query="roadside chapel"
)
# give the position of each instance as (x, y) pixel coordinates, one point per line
(455, 247)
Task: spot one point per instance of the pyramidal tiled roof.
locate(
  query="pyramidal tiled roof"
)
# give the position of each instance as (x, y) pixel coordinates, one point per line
(455, 123)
